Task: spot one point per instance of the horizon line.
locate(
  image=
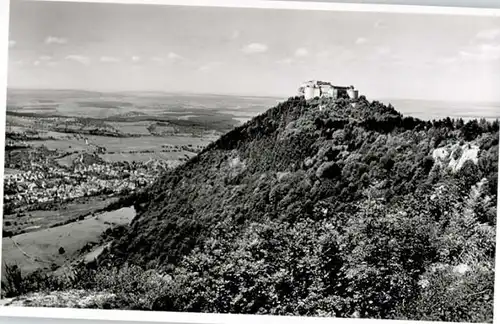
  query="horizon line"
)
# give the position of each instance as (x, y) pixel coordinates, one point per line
(150, 91)
(274, 96)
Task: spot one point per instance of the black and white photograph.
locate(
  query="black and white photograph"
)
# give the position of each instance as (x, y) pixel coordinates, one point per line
(246, 160)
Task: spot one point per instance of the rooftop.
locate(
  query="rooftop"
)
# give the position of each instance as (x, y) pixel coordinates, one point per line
(317, 83)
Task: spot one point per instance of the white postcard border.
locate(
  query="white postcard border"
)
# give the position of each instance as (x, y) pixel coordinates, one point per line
(181, 317)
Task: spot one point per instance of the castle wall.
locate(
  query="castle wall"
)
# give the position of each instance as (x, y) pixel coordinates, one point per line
(310, 92)
(313, 89)
(353, 94)
(327, 91)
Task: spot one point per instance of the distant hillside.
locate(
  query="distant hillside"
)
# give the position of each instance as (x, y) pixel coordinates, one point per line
(321, 208)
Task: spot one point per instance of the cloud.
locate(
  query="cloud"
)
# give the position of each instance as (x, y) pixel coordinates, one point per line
(12, 43)
(109, 59)
(174, 56)
(45, 58)
(483, 52)
(254, 48)
(361, 40)
(466, 55)
(489, 34)
(135, 58)
(36, 63)
(55, 40)
(209, 66)
(301, 52)
(79, 59)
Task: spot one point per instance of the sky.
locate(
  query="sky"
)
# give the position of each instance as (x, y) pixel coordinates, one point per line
(267, 52)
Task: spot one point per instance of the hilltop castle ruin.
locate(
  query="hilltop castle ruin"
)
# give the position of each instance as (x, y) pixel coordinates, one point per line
(312, 89)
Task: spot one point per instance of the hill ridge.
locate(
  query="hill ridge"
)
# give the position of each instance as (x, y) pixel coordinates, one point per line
(374, 117)
(323, 207)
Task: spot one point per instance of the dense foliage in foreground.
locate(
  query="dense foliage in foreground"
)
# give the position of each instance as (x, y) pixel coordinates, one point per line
(319, 208)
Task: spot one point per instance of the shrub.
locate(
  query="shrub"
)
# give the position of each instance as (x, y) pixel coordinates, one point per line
(14, 283)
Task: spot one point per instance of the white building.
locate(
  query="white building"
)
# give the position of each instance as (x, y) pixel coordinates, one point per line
(312, 89)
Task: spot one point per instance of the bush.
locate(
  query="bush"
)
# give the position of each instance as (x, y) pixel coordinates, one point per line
(14, 283)
(134, 287)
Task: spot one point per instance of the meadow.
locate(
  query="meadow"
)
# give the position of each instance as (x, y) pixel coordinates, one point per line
(36, 220)
(42, 249)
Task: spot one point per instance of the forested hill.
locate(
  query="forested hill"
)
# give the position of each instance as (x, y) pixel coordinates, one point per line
(326, 208)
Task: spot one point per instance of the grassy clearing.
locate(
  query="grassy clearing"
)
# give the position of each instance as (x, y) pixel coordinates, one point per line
(145, 142)
(116, 144)
(135, 128)
(63, 145)
(173, 157)
(19, 222)
(41, 249)
(67, 161)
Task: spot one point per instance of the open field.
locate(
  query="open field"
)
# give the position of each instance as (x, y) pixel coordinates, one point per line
(173, 158)
(146, 142)
(40, 249)
(67, 160)
(136, 128)
(63, 145)
(126, 149)
(42, 219)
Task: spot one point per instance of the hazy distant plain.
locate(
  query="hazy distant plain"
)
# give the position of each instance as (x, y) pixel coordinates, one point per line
(200, 107)
(430, 109)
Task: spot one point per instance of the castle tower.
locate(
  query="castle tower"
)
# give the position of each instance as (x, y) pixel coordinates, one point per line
(352, 93)
(310, 92)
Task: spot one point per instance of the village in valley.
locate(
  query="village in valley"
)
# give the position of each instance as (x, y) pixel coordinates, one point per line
(63, 166)
(38, 178)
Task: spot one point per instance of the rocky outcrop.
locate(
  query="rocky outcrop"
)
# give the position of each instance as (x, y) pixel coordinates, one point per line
(454, 156)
